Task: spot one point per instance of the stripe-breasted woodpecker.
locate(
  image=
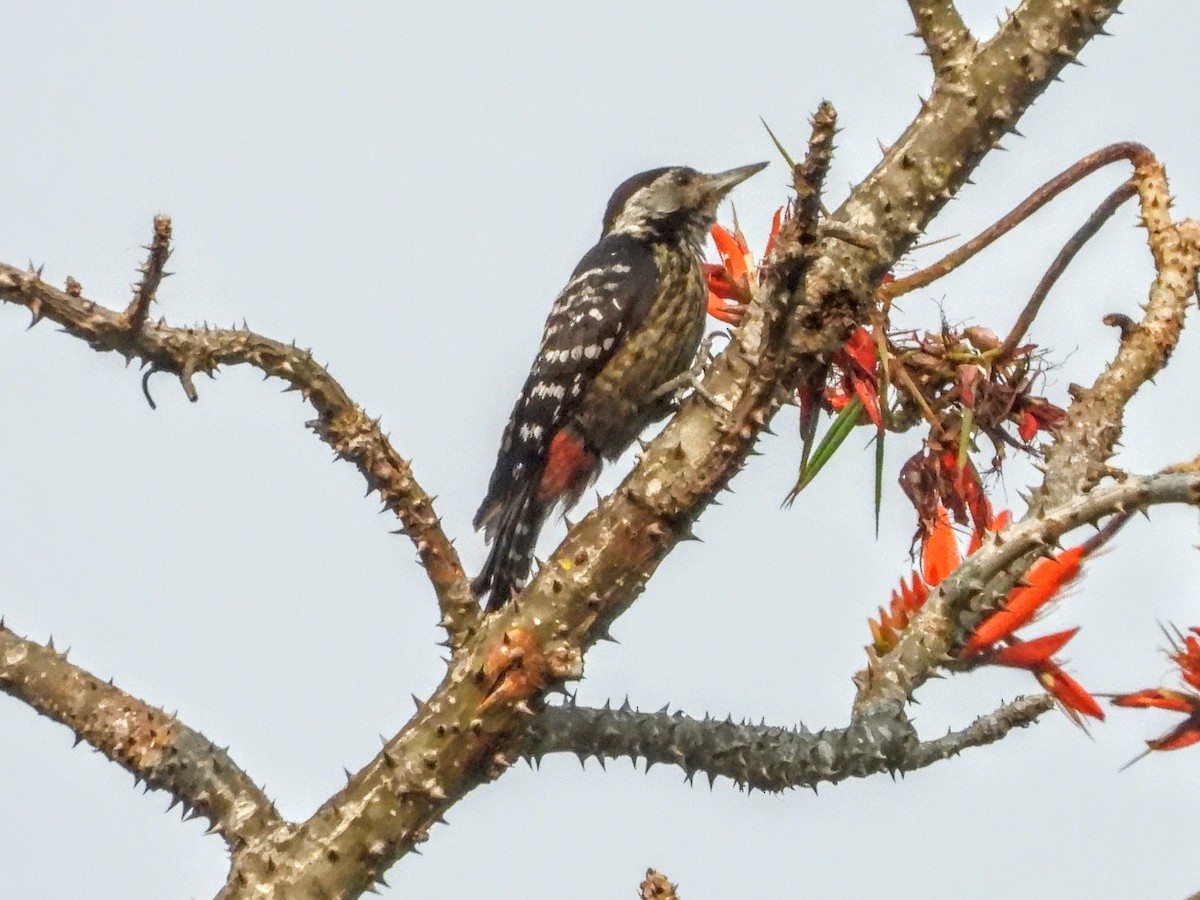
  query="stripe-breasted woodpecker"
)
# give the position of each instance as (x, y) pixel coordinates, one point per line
(629, 321)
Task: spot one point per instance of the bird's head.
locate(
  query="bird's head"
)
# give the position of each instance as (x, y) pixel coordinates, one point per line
(675, 201)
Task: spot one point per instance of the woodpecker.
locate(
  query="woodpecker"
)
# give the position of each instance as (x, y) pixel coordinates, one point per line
(629, 320)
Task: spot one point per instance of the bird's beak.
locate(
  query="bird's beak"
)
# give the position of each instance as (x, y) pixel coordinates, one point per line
(722, 183)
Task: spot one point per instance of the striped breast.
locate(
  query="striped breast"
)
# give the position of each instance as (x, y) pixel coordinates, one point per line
(620, 403)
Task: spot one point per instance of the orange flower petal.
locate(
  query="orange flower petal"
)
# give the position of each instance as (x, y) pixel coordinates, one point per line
(836, 398)
(1187, 657)
(1182, 735)
(732, 253)
(1033, 653)
(860, 347)
(906, 600)
(775, 221)
(719, 283)
(939, 557)
(869, 396)
(1046, 579)
(1069, 692)
(731, 312)
(1027, 427)
(1158, 698)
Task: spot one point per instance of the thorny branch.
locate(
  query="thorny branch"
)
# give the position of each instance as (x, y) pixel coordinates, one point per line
(761, 757)
(601, 567)
(1077, 460)
(819, 285)
(985, 730)
(340, 422)
(465, 734)
(153, 272)
(965, 593)
(148, 742)
(942, 29)
(1108, 206)
(1087, 438)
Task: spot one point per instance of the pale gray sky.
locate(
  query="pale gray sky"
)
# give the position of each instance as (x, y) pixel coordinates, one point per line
(404, 187)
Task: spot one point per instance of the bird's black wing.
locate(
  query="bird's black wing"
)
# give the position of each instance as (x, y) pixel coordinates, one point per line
(608, 294)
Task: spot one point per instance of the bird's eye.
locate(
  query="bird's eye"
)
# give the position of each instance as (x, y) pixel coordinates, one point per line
(682, 178)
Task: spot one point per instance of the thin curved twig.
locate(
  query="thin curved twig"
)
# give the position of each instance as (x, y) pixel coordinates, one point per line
(1135, 153)
(1070, 249)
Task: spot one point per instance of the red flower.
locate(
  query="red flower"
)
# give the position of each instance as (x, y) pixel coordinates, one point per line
(1186, 655)
(732, 283)
(1044, 581)
(933, 479)
(1070, 694)
(859, 364)
(940, 557)
(1037, 415)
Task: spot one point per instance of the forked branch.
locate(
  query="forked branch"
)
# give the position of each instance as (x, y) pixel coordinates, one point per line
(818, 289)
(340, 422)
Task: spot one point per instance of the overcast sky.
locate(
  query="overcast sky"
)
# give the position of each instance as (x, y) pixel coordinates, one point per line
(404, 188)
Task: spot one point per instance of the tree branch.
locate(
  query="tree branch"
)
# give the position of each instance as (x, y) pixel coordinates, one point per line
(1077, 460)
(766, 758)
(962, 120)
(928, 639)
(1108, 206)
(761, 757)
(153, 272)
(985, 730)
(817, 288)
(156, 747)
(1022, 211)
(942, 29)
(1088, 435)
(466, 732)
(463, 736)
(340, 422)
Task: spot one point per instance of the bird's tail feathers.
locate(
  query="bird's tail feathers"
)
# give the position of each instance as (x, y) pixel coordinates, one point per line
(512, 527)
